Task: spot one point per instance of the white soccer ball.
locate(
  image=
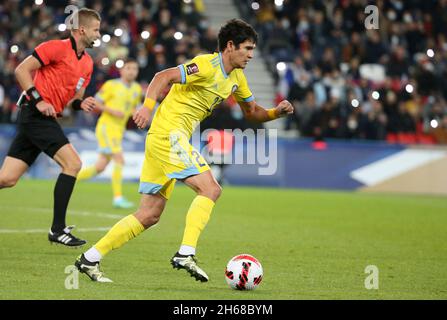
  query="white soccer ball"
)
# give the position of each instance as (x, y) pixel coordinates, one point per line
(243, 272)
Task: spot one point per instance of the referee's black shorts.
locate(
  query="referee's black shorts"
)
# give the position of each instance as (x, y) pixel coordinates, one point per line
(36, 133)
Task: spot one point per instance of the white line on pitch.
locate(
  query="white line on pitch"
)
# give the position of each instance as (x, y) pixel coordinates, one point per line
(70, 212)
(46, 230)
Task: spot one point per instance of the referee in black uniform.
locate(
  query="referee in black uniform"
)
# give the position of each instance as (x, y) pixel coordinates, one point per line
(62, 72)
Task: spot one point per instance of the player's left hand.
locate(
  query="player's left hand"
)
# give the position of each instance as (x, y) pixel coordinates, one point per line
(284, 108)
(88, 104)
(141, 117)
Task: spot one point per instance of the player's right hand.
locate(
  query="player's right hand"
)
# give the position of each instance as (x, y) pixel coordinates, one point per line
(142, 117)
(46, 109)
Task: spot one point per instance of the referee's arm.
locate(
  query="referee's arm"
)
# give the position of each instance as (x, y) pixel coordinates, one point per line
(87, 104)
(23, 74)
(24, 70)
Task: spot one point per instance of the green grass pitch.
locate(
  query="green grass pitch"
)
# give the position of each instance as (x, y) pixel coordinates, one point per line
(312, 245)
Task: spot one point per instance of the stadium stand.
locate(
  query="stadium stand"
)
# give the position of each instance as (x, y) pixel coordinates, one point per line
(345, 81)
(350, 82)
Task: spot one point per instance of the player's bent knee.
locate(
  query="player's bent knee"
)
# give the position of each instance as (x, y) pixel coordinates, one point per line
(149, 221)
(120, 162)
(118, 159)
(100, 168)
(147, 218)
(217, 191)
(213, 192)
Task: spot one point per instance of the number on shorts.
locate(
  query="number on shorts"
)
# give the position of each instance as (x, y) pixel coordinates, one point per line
(197, 155)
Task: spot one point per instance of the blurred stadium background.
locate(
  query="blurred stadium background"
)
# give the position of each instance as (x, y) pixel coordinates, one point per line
(376, 96)
(371, 114)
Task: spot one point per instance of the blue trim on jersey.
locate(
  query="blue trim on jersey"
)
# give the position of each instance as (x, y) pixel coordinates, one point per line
(184, 173)
(249, 99)
(98, 97)
(182, 71)
(105, 150)
(222, 66)
(149, 188)
(215, 61)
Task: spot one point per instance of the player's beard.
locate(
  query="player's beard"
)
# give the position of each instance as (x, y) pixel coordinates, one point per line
(89, 43)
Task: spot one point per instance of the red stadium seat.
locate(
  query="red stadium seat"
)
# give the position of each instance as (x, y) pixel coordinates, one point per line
(391, 138)
(406, 138)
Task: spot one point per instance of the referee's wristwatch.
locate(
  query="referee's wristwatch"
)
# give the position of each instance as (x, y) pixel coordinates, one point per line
(34, 95)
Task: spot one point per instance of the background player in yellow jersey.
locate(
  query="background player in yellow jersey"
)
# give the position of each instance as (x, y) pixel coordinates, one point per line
(118, 99)
(198, 86)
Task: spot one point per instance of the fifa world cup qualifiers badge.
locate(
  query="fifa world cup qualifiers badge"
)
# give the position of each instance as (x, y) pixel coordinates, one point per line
(192, 68)
(79, 84)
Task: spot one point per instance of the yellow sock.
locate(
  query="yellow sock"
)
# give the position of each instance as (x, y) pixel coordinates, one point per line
(124, 230)
(87, 173)
(198, 215)
(117, 178)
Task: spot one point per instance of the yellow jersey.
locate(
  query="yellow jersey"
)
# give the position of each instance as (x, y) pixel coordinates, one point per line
(117, 95)
(204, 84)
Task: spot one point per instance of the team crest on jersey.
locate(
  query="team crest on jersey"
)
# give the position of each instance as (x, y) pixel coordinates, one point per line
(80, 83)
(234, 88)
(191, 69)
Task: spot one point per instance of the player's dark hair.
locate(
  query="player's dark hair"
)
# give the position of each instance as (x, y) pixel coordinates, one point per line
(236, 30)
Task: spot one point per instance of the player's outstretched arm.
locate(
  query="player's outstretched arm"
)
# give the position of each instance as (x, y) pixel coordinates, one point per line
(254, 112)
(160, 81)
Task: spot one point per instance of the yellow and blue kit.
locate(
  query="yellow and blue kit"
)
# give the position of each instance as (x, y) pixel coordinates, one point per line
(117, 95)
(169, 154)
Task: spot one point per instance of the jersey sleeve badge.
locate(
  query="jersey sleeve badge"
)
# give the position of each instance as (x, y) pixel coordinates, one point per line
(191, 69)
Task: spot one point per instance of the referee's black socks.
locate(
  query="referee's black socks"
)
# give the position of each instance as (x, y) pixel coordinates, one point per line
(62, 193)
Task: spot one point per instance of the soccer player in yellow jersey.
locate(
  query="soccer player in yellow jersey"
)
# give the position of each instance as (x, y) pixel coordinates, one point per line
(118, 100)
(198, 86)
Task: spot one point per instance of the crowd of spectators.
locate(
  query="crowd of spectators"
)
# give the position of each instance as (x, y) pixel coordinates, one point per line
(344, 79)
(157, 33)
(353, 80)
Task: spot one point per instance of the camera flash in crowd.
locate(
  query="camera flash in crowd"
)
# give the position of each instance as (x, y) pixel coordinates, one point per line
(119, 63)
(105, 61)
(255, 5)
(145, 35)
(279, 3)
(409, 88)
(62, 27)
(355, 103)
(106, 38)
(434, 123)
(281, 66)
(118, 32)
(430, 53)
(178, 35)
(38, 2)
(375, 95)
(14, 48)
